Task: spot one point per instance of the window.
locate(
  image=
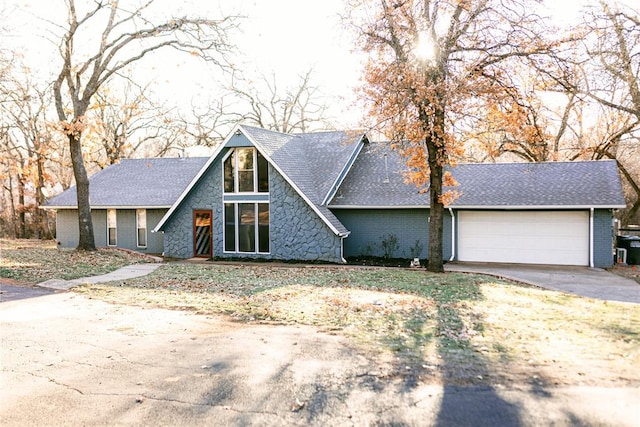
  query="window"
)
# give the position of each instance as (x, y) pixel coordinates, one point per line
(141, 226)
(246, 227)
(111, 227)
(240, 174)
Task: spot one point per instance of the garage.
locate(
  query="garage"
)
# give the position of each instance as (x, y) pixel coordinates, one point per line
(526, 237)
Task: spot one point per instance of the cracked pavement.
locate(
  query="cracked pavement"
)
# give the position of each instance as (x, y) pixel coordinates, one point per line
(70, 360)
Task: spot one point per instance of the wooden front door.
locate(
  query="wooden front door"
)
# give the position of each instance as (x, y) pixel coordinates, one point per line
(202, 227)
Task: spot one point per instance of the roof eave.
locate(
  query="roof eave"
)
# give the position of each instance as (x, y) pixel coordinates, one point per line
(535, 207)
(345, 171)
(108, 207)
(480, 207)
(194, 181)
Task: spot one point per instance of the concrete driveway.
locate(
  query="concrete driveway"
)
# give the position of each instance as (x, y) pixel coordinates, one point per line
(584, 281)
(70, 360)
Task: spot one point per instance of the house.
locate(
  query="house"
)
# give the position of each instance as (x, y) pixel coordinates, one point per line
(127, 200)
(332, 195)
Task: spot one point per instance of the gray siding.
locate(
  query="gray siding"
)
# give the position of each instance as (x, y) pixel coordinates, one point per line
(296, 231)
(602, 238)
(67, 229)
(370, 227)
(67, 233)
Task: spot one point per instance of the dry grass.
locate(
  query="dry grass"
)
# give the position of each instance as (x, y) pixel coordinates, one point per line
(34, 261)
(466, 328)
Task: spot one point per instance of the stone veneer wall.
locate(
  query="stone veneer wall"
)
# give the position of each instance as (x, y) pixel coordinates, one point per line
(296, 231)
(206, 195)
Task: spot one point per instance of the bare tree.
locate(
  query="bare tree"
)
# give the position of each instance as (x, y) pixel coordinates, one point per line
(126, 36)
(126, 123)
(263, 102)
(294, 108)
(27, 147)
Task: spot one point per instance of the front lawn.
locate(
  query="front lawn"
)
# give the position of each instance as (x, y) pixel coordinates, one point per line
(34, 261)
(454, 327)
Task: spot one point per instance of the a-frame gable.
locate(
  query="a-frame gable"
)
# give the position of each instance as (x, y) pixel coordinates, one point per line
(267, 143)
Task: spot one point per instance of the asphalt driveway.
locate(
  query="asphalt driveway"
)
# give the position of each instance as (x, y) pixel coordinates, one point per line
(70, 360)
(584, 281)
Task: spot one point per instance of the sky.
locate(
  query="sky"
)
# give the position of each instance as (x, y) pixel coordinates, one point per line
(286, 37)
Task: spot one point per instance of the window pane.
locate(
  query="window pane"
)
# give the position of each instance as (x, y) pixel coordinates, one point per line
(263, 227)
(141, 218)
(111, 236)
(229, 228)
(111, 218)
(245, 181)
(245, 169)
(142, 237)
(111, 227)
(229, 177)
(245, 159)
(246, 227)
(263, 174)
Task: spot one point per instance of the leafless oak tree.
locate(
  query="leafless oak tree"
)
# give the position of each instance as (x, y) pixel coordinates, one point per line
(125, 37)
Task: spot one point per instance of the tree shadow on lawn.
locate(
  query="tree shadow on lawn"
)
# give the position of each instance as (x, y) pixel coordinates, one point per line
(468, 397)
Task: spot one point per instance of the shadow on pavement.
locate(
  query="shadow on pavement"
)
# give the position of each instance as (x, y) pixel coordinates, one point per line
(18, 292)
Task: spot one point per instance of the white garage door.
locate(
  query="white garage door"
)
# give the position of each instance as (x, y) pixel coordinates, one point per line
(528, 237)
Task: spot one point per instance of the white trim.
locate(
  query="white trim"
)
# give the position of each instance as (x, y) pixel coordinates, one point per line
(115, 227)
(195, 180)
(479, 208)
(378, 207)
(345, 171)
(538, 207)
(95, 207)
(258, 147)
(236, 228)
(146, 230)
(591, 263)
(453, 235)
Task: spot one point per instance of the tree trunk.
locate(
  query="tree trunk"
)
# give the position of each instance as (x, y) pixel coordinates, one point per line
(39, 214)
(437, 159)
(86, 241)
(22, 217)
(436, 218)
(14, 217)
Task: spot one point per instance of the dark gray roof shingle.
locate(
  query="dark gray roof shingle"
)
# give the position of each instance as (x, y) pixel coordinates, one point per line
(377, 179)
(312, 161)
(136, 183)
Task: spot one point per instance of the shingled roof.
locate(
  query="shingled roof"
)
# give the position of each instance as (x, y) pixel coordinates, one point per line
(136, 183)
(311, 162)
(377, 180)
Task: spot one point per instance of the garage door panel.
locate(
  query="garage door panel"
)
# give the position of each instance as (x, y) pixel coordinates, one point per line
(524, 237)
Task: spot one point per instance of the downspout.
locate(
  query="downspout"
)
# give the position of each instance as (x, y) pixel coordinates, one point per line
(591, 237)
(453, 235)
(344, 261)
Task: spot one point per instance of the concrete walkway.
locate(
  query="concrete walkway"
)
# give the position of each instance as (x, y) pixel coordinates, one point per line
(584, 281)
(128, 272)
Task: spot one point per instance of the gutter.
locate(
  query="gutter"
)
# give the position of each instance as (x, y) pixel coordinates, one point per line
(591, 238)
(453, 236)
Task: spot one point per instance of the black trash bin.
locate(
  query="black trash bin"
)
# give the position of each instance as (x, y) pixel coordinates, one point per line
(632, 245)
